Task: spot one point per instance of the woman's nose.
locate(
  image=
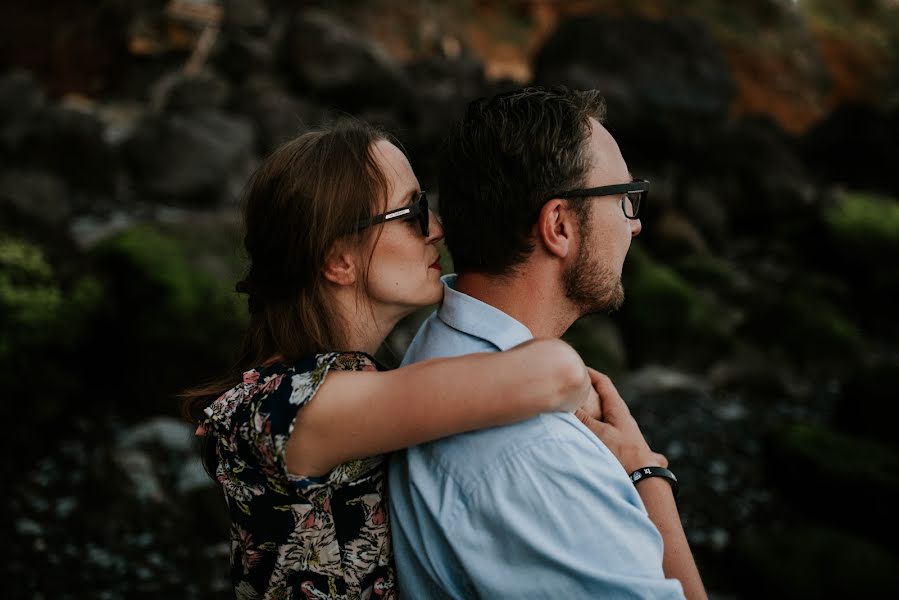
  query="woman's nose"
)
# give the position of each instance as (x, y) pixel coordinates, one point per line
(435, 228)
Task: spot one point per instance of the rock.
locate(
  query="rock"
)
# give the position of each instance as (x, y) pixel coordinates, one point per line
(751, 171)
(860, 477)
(805, 328)
(36, 193)
(330, 60)
(193, 159)
(599, 342)
(668, 320)
(69, 140)
(665, 82)
(171, 320)
(21, 99)
(832, 149)
(803, 561)
(277, 115)
(172, 435)
(654, 380)
(180, 92)
(866, 407)
(245, 14)
(862, 231)
(240, 55)
(673, 235)
(48, 305)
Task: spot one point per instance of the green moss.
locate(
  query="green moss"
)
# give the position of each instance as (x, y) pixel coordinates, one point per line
(842, 456)
(668, 318)
(808, 562)
(865, 219)
(35, 304)
(155, 268)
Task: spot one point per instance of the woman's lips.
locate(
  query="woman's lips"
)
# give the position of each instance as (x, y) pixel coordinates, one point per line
(435, 265)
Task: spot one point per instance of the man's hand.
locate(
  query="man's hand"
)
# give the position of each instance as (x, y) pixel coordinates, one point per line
(617, 428)
(591, 406)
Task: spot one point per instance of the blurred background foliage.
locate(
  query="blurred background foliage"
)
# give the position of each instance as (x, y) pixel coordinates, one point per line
(757, 347)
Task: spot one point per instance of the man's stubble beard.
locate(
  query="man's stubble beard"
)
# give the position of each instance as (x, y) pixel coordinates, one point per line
(589, 285)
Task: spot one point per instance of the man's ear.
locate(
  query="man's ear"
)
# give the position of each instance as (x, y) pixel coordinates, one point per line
(341, 264)
(556, 228)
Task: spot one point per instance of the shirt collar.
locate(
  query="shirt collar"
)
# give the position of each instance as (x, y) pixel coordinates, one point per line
(479, 319)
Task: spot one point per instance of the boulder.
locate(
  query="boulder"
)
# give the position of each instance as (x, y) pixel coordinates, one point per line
(68, 139)
(833, 478)
(856, 147)
(181, 92)
(327, 58)
(39, 194)
(862, 231)
(277, 115)
(171, 318)
(48, 305)
(190, 159)
(442, 87)
(866, 406)
(803, 561)
(21, 100)
(666, 319)
(666, 82)
(600, 343)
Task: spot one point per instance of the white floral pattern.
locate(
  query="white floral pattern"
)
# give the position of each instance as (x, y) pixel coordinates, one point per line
(284, 534)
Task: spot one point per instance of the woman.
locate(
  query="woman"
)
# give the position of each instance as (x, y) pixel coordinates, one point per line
(342, 246)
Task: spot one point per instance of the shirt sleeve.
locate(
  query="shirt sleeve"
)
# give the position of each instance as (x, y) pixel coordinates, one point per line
(554, 521)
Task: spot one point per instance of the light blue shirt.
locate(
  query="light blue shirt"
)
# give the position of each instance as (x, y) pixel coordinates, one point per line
(538, 509)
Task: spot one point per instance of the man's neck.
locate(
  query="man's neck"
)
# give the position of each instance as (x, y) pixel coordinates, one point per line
(532, 299)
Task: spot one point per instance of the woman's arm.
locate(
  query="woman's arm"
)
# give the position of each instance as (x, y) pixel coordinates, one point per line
(356, 414)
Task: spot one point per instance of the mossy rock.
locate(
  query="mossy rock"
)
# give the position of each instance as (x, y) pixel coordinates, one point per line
(867, 404)
(46, 311)
(168, 320)
(848, 482)
(864, 231)
(868, 223)
(599, 342)
(806, 329)
(810, 562)
(669, 320)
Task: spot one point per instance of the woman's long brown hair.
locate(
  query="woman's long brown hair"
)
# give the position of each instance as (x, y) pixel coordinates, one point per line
(304, 196)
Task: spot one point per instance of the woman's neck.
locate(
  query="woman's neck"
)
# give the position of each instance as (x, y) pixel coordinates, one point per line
(364, 328)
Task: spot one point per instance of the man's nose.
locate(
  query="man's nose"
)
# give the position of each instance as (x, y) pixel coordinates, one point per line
(636, 227)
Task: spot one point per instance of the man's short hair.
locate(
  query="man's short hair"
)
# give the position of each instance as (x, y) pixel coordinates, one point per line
(502, 162)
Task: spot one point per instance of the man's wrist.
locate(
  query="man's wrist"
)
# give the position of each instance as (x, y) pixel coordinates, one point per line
(645, 475)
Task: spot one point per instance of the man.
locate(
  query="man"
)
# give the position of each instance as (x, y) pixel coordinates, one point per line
(542, 508)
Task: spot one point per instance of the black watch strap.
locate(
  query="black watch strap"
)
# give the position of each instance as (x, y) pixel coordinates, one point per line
(644, 472)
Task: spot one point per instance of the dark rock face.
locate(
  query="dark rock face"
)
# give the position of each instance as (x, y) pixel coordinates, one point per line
(856, 146)
(659, 95)
(71, 142)
(21, 100)
(188, 159)
(277, 115)
(328, 59)
(183, 92)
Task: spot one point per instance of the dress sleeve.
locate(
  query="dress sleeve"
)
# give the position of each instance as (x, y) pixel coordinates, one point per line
(273, 412)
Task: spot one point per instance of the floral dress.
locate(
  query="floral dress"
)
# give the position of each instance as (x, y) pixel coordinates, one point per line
(292, 536)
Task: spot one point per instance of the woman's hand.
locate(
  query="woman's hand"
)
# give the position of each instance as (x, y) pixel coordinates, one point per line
(617, 428)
